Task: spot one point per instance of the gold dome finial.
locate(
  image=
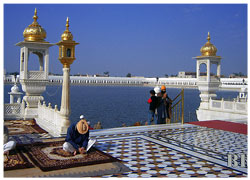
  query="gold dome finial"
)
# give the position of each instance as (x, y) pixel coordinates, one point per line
(208, 36)
(34, 32)
(208, 49)
(67, 23)
(67, 35)
(35, 15)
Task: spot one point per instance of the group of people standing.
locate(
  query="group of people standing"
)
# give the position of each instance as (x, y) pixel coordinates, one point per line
(159, 106)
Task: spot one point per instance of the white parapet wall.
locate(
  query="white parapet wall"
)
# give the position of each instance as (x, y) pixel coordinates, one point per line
(14, 111)
(228, 106)
(49, 119)
(223, 110)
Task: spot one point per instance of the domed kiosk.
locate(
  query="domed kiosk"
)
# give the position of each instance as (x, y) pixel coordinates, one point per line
(209, 83)
(15, 94)
(34, 81)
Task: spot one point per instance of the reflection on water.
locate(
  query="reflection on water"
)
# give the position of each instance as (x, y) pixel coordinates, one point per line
(115, 105)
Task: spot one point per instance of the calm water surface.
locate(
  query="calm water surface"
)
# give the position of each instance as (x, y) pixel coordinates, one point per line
(115, 105)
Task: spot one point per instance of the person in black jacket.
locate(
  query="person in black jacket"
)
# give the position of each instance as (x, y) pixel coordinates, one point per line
(152, 106)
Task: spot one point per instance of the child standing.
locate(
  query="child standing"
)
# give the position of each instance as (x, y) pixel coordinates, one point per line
(152, 106)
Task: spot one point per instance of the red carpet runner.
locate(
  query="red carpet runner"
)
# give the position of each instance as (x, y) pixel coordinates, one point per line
(223, 125)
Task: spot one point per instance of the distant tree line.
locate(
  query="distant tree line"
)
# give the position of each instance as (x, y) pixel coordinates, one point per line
(12, 73)
(240, 74)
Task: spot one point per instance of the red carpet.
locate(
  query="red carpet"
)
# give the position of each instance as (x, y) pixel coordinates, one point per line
(223, 125)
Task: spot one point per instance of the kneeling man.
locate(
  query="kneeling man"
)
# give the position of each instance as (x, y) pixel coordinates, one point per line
(77, 140)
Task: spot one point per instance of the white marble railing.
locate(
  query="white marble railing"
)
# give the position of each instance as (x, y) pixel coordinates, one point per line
(36, 75)
(48, 118)
(212, 78)
(228, 106)
(15, 110)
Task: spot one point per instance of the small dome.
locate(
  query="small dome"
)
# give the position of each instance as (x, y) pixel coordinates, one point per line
(208, 49)
(34, 32)
(15, 89)
(67, 35)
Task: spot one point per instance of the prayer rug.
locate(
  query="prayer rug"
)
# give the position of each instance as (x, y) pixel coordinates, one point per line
(23, 127)
(50, 156)
(16, 160)
(223, 125)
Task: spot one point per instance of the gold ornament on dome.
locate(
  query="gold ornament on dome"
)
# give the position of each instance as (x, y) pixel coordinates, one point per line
(67, 35)
(208, 49)
(34, 32)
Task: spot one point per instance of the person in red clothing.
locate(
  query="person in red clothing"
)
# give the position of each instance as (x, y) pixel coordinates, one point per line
(152, 106)
(90, 128)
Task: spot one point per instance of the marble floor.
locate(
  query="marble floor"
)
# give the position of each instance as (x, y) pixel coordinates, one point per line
(174, 150)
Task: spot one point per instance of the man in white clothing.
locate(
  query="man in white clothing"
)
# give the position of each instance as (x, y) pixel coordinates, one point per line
(8, 145)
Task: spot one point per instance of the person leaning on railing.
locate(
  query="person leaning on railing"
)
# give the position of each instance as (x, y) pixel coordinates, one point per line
(161, 107)
(167, 102)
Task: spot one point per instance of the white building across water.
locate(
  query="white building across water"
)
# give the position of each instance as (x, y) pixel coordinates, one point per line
(232, 84)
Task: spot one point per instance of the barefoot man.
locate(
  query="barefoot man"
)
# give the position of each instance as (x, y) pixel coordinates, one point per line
(77, 140)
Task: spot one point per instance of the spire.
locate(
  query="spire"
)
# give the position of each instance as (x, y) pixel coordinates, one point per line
(35, 17)
(67, 24)
(208, 37)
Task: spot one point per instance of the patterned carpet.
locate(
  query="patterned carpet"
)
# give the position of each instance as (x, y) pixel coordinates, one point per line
(46, 153)
(16, 160)
(50, 156)
(17, 127)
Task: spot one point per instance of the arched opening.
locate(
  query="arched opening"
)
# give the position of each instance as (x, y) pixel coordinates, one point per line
(203, 69)
(15, 98)
(40, 55)
(213, 70)
(68, 52)
(33, 62)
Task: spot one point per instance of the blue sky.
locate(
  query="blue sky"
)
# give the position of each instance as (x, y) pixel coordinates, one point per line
(142, 39)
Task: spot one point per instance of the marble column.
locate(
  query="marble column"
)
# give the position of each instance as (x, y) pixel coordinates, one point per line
(65, 100)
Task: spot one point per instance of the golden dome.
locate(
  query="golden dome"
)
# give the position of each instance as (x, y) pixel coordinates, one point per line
(67, 34)
(34, 32)
(208, 49)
